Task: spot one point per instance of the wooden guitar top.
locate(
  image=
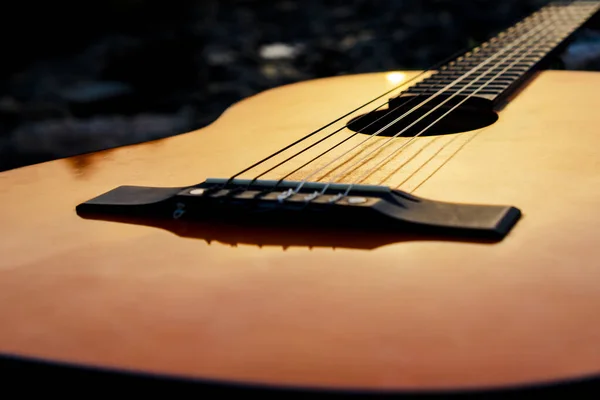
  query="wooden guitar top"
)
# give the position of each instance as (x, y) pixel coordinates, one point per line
(289, 309)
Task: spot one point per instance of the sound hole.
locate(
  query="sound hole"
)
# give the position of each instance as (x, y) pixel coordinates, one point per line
(473, 114)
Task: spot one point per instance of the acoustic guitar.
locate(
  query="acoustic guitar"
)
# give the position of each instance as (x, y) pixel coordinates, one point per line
(383, 232)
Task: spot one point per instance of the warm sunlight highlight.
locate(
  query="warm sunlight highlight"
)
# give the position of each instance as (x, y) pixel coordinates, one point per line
(395, 78)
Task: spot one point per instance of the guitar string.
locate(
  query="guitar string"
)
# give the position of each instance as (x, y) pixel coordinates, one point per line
(414, 156)
(435, 67)
(379, 119)
(332, 134)
(377, 133)
(558, 36)
(430, 159)
(555, 40)
(445, 162)
(542, 13)
(511, 30)
(449, 86)
(390, 112)
(283, 149)
(403, 146)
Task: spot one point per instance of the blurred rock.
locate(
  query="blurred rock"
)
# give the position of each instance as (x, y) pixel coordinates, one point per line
(89, 92)
(584, 54)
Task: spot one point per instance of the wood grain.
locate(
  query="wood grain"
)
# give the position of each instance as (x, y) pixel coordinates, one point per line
(413, 314)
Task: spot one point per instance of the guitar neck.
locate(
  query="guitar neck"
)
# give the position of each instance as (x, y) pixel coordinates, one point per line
(498, 67)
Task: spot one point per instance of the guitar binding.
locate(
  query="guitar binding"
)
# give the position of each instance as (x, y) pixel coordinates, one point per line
(316, 205)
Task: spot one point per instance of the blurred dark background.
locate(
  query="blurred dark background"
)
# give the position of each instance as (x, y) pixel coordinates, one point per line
(79, 77)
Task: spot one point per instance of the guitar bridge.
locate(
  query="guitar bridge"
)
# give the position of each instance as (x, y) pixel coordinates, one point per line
(314, 204)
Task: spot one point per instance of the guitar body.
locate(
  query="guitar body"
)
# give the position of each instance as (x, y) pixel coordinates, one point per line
(339, 310)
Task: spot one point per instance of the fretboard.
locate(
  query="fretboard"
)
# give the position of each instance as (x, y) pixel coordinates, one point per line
(498, 67)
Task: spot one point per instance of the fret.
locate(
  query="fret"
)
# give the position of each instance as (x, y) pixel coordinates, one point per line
(484, 74)
(491, 85)
(496, 78)
(525, 57)
(508, 64)
(522, 55)
(484, 91)
(495, 67)
(472, 62)
(506, 81)
(464, 91)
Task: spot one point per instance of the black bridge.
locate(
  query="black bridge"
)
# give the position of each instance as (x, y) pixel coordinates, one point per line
(290, 204)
